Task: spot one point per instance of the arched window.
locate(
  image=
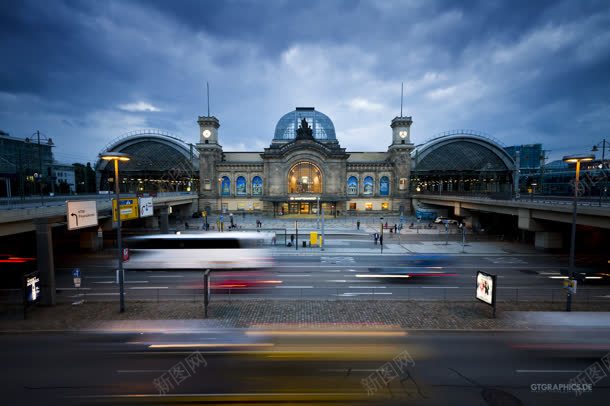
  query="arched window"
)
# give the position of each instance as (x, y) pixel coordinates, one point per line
(257, 186)
(225, 186)
(384, 186)
(368, 185)
(352, 186)
(240, 186)
(304, 177)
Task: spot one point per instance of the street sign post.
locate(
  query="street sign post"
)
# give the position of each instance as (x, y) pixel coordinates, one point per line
(76, 276)
(81, 214)
(146, 206)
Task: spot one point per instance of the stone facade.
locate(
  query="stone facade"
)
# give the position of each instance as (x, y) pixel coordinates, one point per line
(299, 170)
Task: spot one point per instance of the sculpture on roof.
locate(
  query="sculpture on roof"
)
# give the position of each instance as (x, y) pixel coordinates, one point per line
(304, 132)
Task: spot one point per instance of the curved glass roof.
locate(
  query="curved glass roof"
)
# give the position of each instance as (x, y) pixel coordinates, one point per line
(154, 156)
(461, 156)
(323, 128)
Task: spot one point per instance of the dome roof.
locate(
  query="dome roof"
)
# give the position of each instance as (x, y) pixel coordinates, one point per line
(323, 128)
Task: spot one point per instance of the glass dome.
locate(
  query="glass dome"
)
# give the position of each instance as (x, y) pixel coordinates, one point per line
(323, 128)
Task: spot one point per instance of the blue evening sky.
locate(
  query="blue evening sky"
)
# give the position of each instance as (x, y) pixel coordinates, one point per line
(85, 72)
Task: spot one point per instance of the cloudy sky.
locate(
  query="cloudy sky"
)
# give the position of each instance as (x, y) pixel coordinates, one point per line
(85, 72)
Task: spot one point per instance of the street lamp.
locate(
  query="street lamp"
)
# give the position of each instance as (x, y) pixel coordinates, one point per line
(595, 149)
(39, 177)
(116, 157)
(577, 159)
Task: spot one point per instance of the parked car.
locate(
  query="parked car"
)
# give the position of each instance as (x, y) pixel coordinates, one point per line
(445, 220)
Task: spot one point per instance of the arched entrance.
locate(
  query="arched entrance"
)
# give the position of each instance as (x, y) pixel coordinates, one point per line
(304, 188)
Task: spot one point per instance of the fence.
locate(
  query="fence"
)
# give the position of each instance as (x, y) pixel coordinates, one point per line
(420, 293)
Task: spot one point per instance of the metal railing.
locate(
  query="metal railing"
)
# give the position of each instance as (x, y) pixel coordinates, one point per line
(416, 293)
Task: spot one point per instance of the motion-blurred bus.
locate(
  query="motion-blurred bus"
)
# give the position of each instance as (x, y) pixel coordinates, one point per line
(214, 251)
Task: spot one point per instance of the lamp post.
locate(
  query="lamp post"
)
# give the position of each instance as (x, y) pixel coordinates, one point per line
(116, 157)
(595, 149)
(220, 193)
(39, 177)
(577, 159)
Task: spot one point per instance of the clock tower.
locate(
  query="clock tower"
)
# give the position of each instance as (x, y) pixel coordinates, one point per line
(210, 153)
(401, 131)
(400, 156)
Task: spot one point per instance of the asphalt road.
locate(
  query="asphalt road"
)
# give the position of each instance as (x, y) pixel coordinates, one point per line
(315, 367)
(444, 277)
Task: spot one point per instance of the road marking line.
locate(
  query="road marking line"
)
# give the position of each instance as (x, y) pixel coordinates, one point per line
(436, 287)
(105, 282)
(547, 371)
(366, 287)
(137, 281)
(336, 280)
(293, 274)
(294, 287)
(166, 276)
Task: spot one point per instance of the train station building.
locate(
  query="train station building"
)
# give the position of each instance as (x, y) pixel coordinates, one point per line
(305, 168)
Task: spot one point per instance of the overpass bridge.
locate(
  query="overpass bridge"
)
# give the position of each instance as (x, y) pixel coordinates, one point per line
(19, 216)
(537, 215)
(41, 216)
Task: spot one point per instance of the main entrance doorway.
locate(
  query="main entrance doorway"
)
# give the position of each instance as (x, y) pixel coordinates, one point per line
(298, 208)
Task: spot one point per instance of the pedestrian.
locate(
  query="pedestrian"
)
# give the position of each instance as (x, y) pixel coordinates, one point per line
(391, 230)
(386, 225)
(358, 225)
(395, 228)
(243, 214)
(186, 225)
(231, 218)
(376, 237)
(291, 239)
(381, 239)
(257, 223)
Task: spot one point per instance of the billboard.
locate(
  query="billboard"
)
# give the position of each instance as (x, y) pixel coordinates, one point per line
(129, 209)
(146, 206)
(486, 288)
(81, 214)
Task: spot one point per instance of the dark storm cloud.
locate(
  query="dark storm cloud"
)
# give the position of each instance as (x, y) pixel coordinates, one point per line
(101, 68)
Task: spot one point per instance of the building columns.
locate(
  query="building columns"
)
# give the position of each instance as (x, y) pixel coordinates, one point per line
(46, 266)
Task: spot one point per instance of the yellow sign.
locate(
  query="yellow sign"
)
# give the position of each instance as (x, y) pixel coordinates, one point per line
(129, 209)
(204, 213)
(313, 238)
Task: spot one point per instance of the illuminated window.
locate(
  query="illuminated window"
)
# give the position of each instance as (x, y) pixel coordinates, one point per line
(368, 185)
(385, 206)
(225, 188)
(352, 186)
(384, 186)
(368, 206)
(257, 186)
(304, 177)
(352, 206)
(402, 183)
(240, 186)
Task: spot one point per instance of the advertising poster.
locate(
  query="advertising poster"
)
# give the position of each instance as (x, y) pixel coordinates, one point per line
(486, 287)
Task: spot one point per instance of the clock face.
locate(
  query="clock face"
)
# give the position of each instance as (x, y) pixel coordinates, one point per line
(402, 134)
(207, 133)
